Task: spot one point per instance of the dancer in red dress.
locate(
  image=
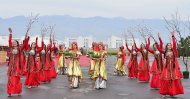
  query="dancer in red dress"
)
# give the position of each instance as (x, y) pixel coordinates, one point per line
(132, 64)
(32, 76)
(43, 69)
(53, 70)
(143, 69)
(157, 65)
(14, 85)
(171, 75)
(23, 59)
(26, 53)
(45, 56)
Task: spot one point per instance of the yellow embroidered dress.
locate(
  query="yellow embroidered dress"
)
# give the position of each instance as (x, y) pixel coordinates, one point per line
(74, 69)
(120, 64)
(100, 66)
(92, 65)
(61, 60)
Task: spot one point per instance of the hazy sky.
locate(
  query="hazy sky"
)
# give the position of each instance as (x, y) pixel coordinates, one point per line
(89, 8)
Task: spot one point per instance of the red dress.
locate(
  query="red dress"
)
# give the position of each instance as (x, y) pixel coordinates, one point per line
(44, 73)
(32, 76)
(23, 57)
(143, 67)
(45, 57)
(53, 70)
(157, 65)
(132, 64)
(171, 75)
(14, 85)
(25, 61)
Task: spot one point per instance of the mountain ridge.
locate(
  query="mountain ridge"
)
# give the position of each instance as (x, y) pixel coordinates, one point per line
(68, 26)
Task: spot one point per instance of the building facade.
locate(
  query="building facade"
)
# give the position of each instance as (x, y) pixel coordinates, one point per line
(81, 41)
(116, 42)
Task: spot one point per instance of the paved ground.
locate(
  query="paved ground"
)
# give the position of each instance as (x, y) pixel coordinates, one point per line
(117, 88)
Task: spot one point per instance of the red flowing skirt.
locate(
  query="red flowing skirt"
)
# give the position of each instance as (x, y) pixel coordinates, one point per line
(45, 76)
(132, 69)
(155, 81)
(154, 66)
(171, 87)
(178, 72)
(14, 85)
(32, 79)
(143, 74)
(53, 72)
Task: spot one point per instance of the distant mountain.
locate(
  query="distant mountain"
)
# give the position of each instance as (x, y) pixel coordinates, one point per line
(99, 27)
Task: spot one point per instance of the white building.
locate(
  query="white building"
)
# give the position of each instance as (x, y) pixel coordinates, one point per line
(4, 40)
(81, 41)
(116, 42)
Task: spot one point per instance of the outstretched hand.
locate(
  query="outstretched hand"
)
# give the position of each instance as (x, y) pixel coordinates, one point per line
(10, 30)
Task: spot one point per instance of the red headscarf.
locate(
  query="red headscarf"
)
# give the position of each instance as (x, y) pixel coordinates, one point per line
(75, 44)
(103, 46)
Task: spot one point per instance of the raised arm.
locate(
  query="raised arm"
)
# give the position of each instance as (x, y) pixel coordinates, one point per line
(10, 37)
(174, 44)
(161, 43)
(50, 46)
(54, 47)
(138, 49)
(128, 48)
(37, 43)
(159, 49)
(25, 44)
(39, 49)
(148, 47)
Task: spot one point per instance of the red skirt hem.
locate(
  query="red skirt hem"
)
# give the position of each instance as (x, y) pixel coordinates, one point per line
(32, 79)
(14, 85)
(45, 76)
(171, 88)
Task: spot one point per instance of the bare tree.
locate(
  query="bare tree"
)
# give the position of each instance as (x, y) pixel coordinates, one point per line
(176, 25)
(52, 32)
(144, 31)
(44, 30)
(31, 20)
(128, 33)
(187, 25)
